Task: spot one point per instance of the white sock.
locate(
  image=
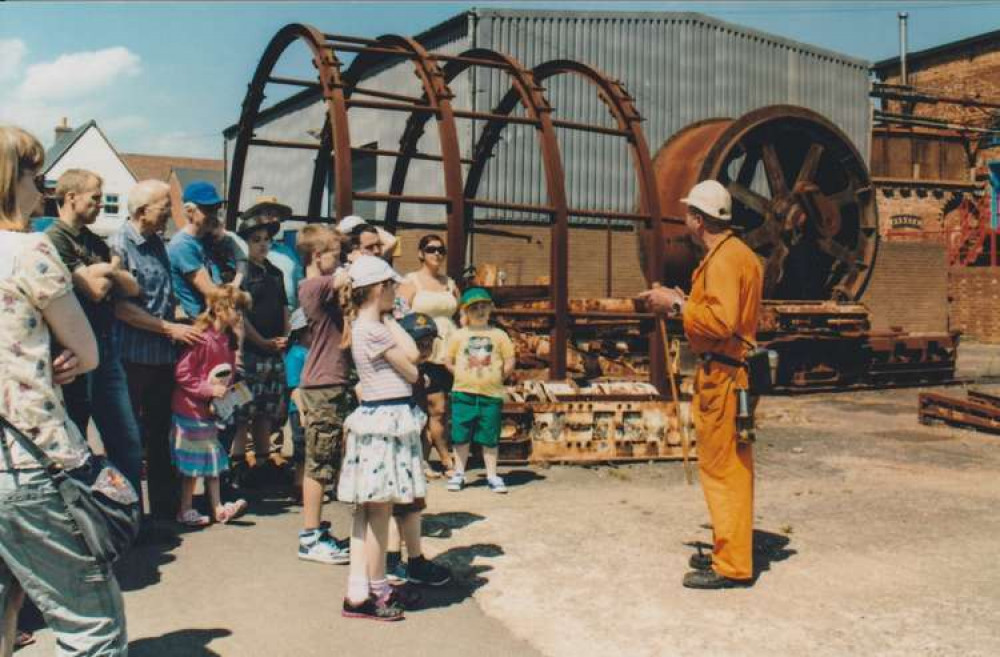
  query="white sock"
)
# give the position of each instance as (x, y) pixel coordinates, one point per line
(380, 587)
(357, 589)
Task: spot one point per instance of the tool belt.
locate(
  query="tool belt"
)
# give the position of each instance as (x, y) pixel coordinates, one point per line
(757, 365)
(710, 356)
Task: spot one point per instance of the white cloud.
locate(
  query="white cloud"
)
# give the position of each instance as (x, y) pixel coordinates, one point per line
(129, 123)
(11, 53)
(77, 75)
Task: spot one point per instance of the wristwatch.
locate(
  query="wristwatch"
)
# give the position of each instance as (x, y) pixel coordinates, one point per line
(677, 307)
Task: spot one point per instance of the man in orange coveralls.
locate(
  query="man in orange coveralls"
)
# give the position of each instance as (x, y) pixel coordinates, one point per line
(722, 308)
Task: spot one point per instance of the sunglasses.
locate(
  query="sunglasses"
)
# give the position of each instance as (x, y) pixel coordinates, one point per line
(39, 179)
(440, 250)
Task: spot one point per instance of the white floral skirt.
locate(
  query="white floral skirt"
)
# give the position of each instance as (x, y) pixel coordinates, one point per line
(382, 455)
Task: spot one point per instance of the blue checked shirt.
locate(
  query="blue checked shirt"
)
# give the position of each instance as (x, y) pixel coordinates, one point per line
(146, 259)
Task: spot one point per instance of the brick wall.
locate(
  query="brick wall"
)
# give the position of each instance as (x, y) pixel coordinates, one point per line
(975, 302)
(974, 71)
(526, 260)
(909, 287)
(935, 207)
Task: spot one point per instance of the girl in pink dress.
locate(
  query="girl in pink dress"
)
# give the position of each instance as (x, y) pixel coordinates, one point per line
(203, 374)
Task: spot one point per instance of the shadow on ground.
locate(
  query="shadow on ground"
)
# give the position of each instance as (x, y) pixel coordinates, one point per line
(512, 478)
(441, 525)
(140, 566)
(467, 577)
(190, 643)
(768, 548)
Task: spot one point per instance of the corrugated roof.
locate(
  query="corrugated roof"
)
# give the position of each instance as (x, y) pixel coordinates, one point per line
(705, 19)
(893, 62)
(65, 142)
(158, 167)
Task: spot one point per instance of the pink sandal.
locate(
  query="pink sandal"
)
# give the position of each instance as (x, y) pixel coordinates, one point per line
(192, 518)
(230, 511)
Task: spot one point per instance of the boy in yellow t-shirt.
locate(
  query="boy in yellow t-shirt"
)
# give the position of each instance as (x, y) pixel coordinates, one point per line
(480, 357)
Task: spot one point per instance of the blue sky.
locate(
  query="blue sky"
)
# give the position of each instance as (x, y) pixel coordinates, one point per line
(167, 77)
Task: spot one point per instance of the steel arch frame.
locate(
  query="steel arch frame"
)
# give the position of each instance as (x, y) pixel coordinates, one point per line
(334, 148)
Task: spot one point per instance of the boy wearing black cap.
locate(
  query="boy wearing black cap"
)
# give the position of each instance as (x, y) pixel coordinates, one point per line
(417, 569)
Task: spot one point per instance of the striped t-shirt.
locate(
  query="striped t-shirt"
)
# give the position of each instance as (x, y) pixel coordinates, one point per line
(379, 380)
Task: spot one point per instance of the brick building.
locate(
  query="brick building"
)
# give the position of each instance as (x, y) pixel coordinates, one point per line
(935, 152)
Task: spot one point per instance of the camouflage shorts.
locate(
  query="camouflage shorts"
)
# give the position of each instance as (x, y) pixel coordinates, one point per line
(323, 412)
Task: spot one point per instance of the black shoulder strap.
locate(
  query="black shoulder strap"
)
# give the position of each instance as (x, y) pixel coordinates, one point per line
(30, 447)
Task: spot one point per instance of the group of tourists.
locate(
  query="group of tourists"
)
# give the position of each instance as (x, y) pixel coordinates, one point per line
(196, 351)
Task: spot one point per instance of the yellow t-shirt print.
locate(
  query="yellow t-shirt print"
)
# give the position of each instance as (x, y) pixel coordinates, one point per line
(479, 356)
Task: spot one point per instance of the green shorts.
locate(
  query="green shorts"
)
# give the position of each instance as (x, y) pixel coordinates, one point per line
(475, 418)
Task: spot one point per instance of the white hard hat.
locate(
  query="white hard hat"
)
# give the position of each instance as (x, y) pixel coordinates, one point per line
(369, 270)
(712, 198)
(349, 223)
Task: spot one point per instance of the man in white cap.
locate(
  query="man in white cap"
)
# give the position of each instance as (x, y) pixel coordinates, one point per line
(363, 238)
(720, 320)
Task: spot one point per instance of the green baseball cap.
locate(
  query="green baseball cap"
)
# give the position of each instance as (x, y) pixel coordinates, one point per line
(475, 295)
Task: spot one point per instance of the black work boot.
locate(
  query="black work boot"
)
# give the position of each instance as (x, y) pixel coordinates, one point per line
(709, 579)
(700, 561)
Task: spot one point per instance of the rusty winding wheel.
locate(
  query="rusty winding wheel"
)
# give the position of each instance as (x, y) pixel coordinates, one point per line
(801, 196)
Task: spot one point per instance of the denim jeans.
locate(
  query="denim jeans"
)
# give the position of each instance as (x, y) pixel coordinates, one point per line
(41, 550)
(103, 396)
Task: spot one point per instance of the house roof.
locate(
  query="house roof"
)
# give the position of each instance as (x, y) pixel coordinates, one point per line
(158, 167)
(186, 176)
(65, 142)
(886, 65)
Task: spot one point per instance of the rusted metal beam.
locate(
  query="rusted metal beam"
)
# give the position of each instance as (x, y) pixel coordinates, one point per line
(294, 82)
(388, 95)
(964, 413)
(403, 198)
(392, 107)
(586, 127)
(284, 143)
(503, 205)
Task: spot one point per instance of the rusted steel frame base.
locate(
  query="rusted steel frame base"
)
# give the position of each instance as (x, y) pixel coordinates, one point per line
(592, 430)
(966, 413)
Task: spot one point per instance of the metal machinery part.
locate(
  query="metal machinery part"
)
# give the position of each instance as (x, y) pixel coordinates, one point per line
(980, 411)
(802, 199)
(342, 91)
(804, 202)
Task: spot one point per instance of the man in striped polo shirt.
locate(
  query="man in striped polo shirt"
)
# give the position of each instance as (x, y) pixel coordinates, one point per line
(147, 335)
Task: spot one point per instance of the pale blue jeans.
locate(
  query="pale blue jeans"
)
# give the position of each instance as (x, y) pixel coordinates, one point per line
(41, 550)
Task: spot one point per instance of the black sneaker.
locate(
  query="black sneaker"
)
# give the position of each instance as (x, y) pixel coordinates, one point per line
(709, 579)
(386, 609)
(422, 571)
(700, 561)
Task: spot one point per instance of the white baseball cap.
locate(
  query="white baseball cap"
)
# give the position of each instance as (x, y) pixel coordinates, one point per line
(369, 270)
(349, 223)
(712, 198)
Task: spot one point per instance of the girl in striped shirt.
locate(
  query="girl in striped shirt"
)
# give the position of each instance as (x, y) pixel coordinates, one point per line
(382, 460)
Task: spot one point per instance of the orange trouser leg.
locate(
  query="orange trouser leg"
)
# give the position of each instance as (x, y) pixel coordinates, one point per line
(726, 473)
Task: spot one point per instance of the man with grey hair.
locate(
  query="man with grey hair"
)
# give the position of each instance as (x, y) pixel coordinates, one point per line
(147, 334)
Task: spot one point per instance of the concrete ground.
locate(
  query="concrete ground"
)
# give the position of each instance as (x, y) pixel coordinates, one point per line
(875, 535)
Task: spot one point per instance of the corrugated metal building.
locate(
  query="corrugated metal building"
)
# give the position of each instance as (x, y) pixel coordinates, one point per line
(679, 67)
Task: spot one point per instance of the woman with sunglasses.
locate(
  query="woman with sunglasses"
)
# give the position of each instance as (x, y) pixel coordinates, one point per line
(430, 291)
(41, 553)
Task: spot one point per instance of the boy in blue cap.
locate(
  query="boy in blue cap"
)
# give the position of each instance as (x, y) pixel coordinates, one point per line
(481, 357)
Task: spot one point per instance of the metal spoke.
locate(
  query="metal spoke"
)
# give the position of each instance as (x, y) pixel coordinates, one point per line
(807, 173)
(772, 167)
(750, 199)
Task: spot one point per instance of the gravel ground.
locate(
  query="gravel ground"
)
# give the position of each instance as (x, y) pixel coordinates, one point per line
(875, 535)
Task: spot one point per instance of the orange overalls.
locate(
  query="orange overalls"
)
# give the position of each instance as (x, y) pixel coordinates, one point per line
(725, 300)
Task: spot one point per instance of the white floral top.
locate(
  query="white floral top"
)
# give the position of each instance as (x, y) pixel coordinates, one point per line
(31, 276)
